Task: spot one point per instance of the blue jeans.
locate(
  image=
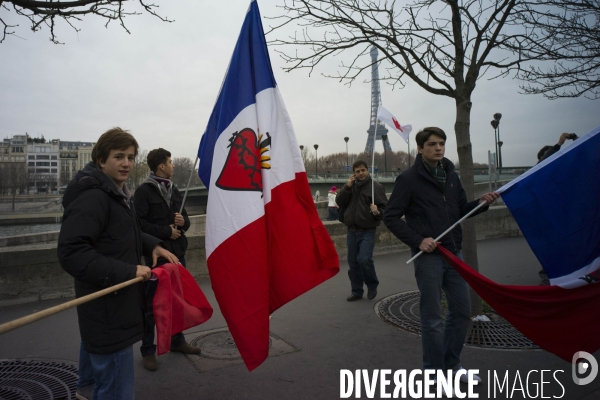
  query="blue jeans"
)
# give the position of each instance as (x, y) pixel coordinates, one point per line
(442, 345)
(112, 374)
(360, 260)
(148, 346)
(333, 214)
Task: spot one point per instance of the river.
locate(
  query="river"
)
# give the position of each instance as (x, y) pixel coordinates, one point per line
(24, 229)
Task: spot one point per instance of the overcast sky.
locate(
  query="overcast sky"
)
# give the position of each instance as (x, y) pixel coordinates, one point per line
(161, 81)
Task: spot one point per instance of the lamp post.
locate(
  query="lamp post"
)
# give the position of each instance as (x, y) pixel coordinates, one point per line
(347, 159)
(384, 137)
(316, 146)
(497, 118)
(494, 124)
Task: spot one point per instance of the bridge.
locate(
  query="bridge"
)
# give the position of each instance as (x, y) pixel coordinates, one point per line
(198, 195)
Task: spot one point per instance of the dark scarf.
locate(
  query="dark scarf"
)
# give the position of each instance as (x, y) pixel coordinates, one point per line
(438, 173)
(164, 185)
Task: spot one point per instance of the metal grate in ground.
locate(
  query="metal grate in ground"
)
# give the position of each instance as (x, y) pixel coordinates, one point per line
(37, 379)
(402, 310)
(219, 349)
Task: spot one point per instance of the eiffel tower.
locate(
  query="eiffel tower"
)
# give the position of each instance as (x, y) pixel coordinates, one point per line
(375, 101)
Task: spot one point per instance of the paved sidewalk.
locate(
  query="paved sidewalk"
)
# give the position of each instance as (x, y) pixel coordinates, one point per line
(331, 334)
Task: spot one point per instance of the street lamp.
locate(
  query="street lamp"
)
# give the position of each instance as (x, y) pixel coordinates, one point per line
(384, 137)
(316, 146)
(494, 124)
(347, 159)
(497, 117)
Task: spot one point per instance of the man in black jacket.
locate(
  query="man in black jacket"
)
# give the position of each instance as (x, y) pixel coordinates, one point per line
(100, 245)
(547, 151)
(362, 216)
(431, 198)
(157, 203)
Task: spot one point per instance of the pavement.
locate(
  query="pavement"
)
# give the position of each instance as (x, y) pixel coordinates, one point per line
(330, 334)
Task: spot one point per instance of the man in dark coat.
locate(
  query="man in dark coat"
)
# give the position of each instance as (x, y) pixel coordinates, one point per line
(431, 198)
(100, 245)
(362, 215)
(157, 203)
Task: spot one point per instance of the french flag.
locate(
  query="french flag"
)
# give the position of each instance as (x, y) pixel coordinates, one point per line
(265, 243)
(557, 207)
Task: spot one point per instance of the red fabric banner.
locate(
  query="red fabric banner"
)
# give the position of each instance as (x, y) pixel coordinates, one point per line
(561, 321)
(178, 304)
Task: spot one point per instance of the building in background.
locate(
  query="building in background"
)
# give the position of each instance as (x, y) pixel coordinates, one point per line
(42, 165)
(13, 170)
(73, 157)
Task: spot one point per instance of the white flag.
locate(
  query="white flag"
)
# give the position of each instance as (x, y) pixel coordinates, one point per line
(387, 118)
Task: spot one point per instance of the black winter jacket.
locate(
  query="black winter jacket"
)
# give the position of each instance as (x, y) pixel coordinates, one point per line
(357, 200)
(428, 210)
(100, 245)
(155, 215)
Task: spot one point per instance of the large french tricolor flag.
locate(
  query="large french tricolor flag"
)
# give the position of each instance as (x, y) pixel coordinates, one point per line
(265, 243)
(557, 207)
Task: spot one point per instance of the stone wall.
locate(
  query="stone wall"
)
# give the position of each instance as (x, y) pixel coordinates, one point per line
(31, 272)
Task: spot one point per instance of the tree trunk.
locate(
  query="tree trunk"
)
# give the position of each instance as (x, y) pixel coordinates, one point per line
(465, 158)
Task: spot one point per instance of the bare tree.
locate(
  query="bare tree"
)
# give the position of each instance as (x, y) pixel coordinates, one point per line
(575, 68)
(46, 13)
(444, 46)
(15, 179)
(139, 172)
(183, 169)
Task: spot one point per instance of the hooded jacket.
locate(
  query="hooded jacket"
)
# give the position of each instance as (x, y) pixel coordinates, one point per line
(428, 209)
(100, 245)
(357, 200)
(155, 215)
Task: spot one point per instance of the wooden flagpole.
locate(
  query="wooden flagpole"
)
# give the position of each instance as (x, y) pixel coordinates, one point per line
(449, 229)
(17, 323)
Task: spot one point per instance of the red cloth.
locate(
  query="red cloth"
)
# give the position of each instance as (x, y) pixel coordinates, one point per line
(268, 263)
(561, 321)
(178, 304)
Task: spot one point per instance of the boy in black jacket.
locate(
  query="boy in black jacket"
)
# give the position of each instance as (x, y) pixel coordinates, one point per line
(100, 245)
(431, 198)
(157, 202)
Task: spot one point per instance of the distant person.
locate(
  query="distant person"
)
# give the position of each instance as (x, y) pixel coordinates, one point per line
(332, 206)
(157, 202)
(430, 197)
(547, 151)
(100, 245)
(362, 216)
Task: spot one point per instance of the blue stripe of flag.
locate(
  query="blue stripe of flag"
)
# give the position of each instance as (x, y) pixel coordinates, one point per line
(558, 209)
(249, 73)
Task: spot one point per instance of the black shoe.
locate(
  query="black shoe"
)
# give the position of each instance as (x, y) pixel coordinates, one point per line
(372, 294)
(149, 362)
(353, 297)
(186, 348)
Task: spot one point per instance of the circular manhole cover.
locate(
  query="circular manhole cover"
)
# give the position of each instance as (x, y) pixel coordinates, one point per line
(37, 379)
(402, 310)
(219, 346)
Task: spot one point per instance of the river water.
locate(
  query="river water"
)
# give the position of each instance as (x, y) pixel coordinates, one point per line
(16, 230)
